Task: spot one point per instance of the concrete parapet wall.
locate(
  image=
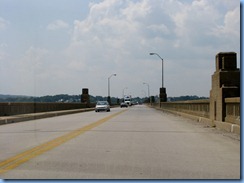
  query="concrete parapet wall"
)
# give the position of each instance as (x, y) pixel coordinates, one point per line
(194, 107)
(232, 106)
(33, 116)
(224, 126)
(8, 109)
(199, 110)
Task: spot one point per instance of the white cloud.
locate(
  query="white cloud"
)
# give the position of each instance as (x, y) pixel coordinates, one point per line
(137, 10)
(3, 23)
(33, 59)
(117, 37)
(160, 29)
(57, 24)
(194, 21)
(31, 65)
(3, 53)
(231, 26)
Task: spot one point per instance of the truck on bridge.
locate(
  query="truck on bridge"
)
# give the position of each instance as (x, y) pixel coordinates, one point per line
(127, 100)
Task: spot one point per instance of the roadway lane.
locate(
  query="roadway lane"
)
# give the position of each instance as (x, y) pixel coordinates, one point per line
(138, 143)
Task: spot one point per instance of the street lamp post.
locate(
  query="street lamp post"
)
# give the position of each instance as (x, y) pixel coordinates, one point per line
(109, 99)
(148, 91)
(163, 95)
(162, 67)
(124, 92)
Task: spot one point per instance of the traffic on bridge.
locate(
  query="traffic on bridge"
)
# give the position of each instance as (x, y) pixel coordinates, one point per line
(137, 142)
(107, 89)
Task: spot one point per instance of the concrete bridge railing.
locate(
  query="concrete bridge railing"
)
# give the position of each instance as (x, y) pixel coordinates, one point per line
(194, 107)
(14, 108)
(232, 107)
(201, 108)
(200, 111)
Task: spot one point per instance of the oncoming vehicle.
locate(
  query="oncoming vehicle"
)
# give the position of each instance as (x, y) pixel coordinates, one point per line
(127, 100)
(123, 104)
(102, 106)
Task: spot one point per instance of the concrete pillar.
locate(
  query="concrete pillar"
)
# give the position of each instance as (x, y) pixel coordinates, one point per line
(162, 95)
(225, 84)
(85, 98)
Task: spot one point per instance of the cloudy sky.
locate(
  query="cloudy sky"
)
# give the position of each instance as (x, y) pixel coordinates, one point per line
(50, 47)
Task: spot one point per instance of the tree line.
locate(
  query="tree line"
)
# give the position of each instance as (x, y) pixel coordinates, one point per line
(93, 99)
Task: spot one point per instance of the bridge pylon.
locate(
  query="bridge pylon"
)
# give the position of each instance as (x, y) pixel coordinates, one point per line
(225, 84)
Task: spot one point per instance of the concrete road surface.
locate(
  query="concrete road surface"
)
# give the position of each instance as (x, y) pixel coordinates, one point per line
(134, 143)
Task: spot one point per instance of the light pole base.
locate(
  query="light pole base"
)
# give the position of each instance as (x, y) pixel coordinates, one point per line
(163, 95)
(85, 97)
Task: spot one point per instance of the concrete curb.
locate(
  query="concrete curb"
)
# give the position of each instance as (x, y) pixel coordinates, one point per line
(228, 127)
(224, 126)
(33, 116)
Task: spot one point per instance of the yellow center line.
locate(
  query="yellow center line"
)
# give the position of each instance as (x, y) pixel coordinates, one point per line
(21, 158)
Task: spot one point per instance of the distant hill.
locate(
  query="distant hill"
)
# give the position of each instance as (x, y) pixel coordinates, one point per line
(15, 98)
(55, 98)
(185, 98)
(11, 96)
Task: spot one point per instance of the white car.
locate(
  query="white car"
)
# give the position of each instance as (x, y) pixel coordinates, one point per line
(102, 106)
(123, 104)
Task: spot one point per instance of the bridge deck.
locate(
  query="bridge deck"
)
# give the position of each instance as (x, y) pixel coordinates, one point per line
(134, 143)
